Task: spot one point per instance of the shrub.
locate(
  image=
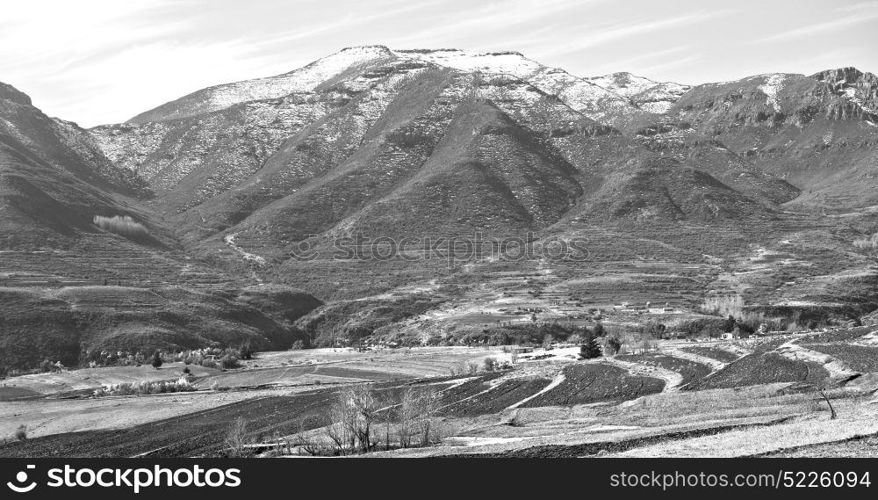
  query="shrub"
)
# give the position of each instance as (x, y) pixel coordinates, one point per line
(613, 344)
(229, 361)
(298, 345)
(246, 352)
(598, 330)
(137, 388)
(121, 225)
(707, 327)
(21, 433)
(654, 329)
(157, 360)
(490, 364)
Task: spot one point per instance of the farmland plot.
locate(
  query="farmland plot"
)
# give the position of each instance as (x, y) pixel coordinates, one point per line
(591, 383)
(762, 368)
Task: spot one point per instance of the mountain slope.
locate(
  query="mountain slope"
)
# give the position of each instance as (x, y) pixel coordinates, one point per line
(69, 285)
(646, 94)
(305, 79)
(818, 132)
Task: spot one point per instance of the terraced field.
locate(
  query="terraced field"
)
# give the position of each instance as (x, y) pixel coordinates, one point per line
(196, 434)
(719, 354)
(690, 370)
(762, 368)
(858, 357)
(591, 383)
(547, 397)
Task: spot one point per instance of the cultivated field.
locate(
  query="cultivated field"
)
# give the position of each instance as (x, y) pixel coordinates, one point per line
(759, 397)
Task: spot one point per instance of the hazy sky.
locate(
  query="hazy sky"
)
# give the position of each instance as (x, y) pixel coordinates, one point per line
(102, 61)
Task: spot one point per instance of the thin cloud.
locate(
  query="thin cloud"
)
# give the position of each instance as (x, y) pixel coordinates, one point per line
(859, 7)
(812, 29)
(630, 30)
(636, 61)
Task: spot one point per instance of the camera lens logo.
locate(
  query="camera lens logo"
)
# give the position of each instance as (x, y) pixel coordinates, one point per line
(21, 478)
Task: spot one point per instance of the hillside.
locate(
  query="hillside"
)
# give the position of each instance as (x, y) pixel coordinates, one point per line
(817, 132)
(72, 283)
(758, 188)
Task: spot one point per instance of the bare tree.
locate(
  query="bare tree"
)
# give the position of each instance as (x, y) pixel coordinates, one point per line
(832, 415)
(416, 416)
(354, 416)
(236, 440)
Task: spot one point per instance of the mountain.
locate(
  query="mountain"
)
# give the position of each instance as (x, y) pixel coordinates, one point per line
(817, 132)
(85, 265)
(678, 191)
(53, 178)
(396, 141)
(648, 95)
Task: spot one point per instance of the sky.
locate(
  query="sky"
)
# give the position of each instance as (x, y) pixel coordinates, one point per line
(104, 61)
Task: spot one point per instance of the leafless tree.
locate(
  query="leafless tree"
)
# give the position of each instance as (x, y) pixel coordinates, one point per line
(416, 416)
(354, 416)
(236, 440)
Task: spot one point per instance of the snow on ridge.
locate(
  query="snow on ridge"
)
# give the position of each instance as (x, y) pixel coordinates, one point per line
(306, 78)
(301, 80)
(511, 63)
(624, 84)
(580, 94)
(773, 84)
(648, 95)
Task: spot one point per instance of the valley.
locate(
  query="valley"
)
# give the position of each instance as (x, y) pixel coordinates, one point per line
(552, 265)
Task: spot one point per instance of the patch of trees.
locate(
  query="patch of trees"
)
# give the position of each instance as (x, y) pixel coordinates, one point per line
(527, 334)
(362, 421)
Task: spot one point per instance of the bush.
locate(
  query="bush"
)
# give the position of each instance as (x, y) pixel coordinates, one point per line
(298, 345)
(21, 433)
(138, 388)
(654, 329)
(613, 344)
(246, 352)
(702, 327)
(121, 225)
(229, 361)
(157, 360)
(490, 364)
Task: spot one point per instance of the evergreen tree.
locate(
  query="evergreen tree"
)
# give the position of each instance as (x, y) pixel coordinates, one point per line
(157, 360)
(590, 348)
